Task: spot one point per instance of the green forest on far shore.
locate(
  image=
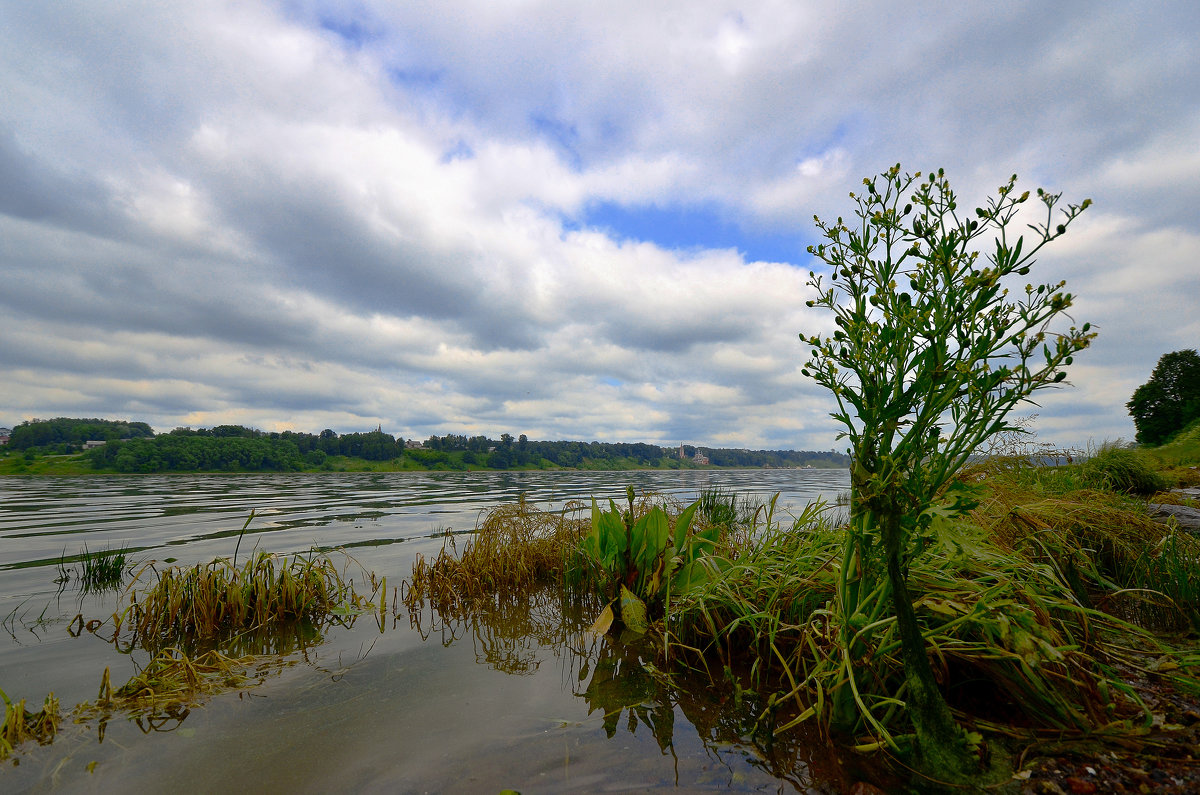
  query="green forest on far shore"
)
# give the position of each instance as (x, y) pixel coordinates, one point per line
(61, 446)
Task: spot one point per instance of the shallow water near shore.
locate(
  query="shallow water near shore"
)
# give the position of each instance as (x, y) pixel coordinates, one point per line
(521, 698)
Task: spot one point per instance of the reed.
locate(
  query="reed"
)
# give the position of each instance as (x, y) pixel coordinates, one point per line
(207, 602)
(516, 547)
(96, 571)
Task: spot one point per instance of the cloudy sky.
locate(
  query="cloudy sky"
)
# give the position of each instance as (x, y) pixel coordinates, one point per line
(574, 220)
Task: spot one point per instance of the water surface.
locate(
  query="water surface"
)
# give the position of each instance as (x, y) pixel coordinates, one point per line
(517, 700)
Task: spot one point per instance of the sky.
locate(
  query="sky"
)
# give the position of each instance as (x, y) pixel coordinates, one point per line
(572, 220)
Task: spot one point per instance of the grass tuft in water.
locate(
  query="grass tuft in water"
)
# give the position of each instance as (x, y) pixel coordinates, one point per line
(220, 600)
(21, 725)
(95, 571)
(516, 548)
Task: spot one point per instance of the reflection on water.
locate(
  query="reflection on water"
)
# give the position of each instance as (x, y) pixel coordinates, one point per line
(519, 689)
(620, 685)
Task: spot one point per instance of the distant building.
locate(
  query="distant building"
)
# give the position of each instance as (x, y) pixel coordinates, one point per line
(90, 443)
(413, 444)
(699, 458)
(5, 435)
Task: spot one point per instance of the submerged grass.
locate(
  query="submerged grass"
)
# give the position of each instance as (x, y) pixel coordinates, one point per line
(21, 725)
(172, 681)
(220, 599)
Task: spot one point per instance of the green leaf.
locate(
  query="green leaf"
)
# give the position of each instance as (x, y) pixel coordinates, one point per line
(683, 523)
(656, 534)
(633, 612)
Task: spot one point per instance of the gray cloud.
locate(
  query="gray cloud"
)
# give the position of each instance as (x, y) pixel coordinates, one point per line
(248, 213)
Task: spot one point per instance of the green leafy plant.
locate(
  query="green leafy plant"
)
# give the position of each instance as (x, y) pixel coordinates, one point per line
(929, 356)
(644, 559)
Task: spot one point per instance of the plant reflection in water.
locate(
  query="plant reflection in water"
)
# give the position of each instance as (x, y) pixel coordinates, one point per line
(619, 683)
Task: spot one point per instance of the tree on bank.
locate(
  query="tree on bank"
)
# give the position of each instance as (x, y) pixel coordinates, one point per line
(1169, 400)
(72, 433)
(929, 356)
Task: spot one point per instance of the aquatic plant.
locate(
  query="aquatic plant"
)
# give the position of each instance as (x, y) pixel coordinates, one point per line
(97, 571)
(515, 547)
(207, 602)
(21, 725)
(171, 678)
(640, 559)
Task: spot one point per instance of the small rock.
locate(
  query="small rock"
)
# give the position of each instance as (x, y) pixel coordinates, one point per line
(1187, 518)
(863, 788)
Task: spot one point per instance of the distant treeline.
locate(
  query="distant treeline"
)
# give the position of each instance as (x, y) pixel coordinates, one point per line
(133, 447)
(67, 434)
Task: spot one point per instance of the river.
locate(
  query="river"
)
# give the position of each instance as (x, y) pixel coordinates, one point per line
(471, 707)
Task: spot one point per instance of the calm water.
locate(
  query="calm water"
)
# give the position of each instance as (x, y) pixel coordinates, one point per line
(516, 700)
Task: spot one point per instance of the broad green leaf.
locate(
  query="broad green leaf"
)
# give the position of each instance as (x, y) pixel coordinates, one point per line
(698, 572)
(656, 534)
(683, 523)
(633, 612)
(615, 530)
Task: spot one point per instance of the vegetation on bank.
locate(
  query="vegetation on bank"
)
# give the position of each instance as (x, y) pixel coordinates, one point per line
(1046, 608)
(1038, 586)
(233, 448)
(1170, 400)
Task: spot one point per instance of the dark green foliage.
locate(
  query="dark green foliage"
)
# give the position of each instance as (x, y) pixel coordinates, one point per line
(1118, 469)
(96, 571)
(242, 449)
(65, 433)
(183, 453)
(1169, 400)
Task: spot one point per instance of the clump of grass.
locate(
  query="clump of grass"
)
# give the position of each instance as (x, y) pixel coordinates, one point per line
(220, 600)
(172, 678)
(719, 507)
(1122, 470)
(21, 725)
(760, 606)
(96, 571)
(1170, 569)
(516, 547)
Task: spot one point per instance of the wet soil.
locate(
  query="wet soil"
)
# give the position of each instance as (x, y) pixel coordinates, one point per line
(1165, 760)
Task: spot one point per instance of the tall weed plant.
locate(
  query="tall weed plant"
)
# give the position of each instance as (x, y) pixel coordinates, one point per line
(929, 356)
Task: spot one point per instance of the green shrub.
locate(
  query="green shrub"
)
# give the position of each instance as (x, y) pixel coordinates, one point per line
(1122, 470)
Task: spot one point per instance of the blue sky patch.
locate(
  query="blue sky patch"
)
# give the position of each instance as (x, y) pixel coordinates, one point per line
(687, 227)
(352, 31)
